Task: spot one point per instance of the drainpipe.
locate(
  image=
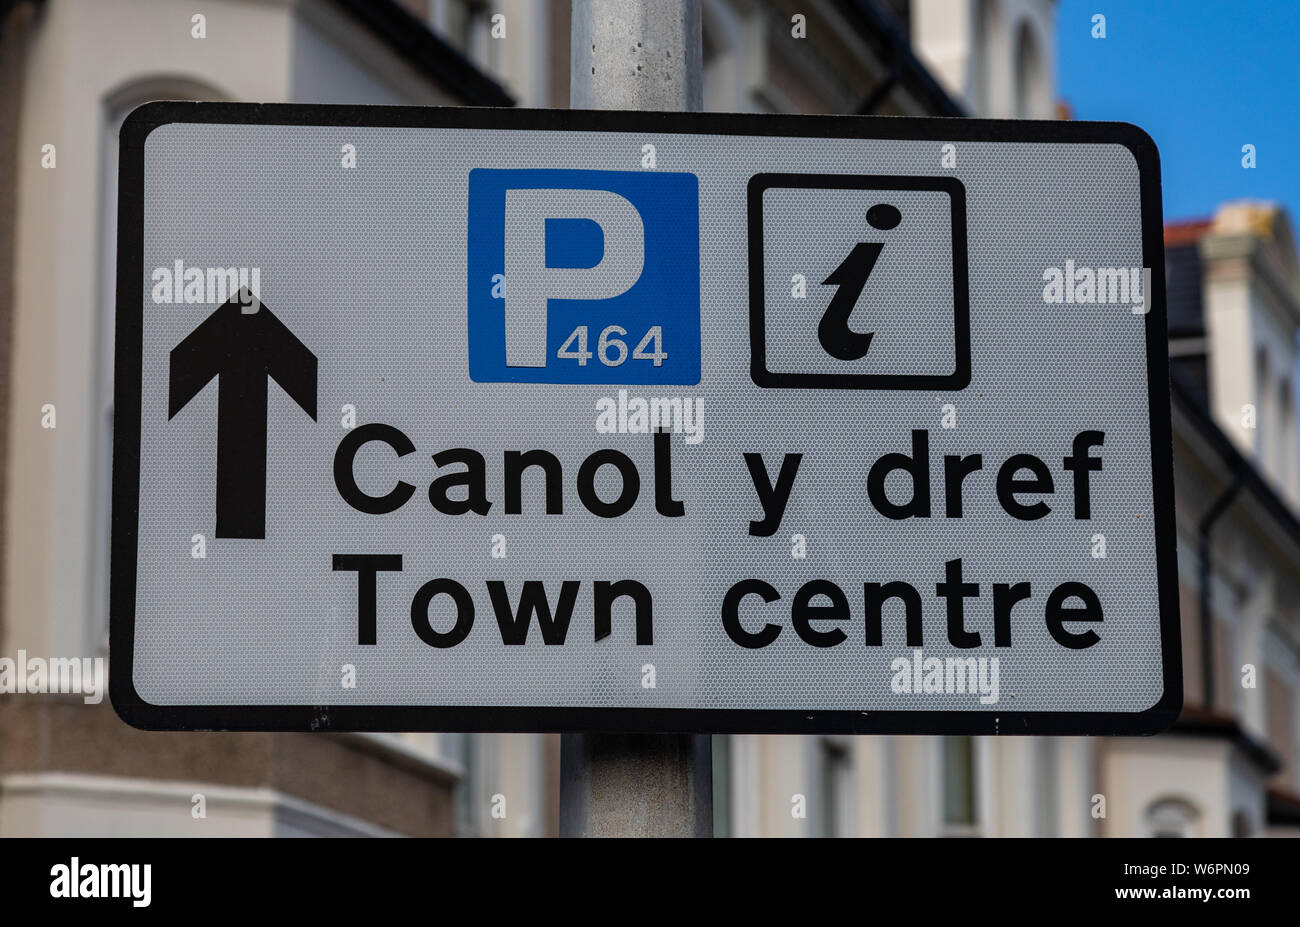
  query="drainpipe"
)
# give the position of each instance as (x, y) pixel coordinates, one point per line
(1203, 529)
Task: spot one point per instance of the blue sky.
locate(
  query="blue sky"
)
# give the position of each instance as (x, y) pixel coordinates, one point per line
(1203, 78)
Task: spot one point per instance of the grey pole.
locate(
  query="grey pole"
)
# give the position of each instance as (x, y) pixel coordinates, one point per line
(636, 54)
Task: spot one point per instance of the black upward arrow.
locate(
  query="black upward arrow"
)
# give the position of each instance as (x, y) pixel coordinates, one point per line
(242, 349)
(833, 332)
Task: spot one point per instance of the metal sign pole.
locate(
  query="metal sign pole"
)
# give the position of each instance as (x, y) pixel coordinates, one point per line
(643, 55)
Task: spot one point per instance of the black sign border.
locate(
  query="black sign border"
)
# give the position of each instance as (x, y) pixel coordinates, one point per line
(959, 379)
(126, 434)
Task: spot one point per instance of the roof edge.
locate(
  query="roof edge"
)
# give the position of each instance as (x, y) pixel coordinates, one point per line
(1198, 722)
(425, 51)
(880, 30)
(1187, 395)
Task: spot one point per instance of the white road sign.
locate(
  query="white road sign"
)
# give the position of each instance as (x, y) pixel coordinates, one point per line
(494, 419)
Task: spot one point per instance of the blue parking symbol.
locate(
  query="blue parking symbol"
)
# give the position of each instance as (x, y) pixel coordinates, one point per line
(583, 277)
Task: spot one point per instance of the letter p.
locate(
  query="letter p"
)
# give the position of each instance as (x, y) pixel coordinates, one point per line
(565, 244)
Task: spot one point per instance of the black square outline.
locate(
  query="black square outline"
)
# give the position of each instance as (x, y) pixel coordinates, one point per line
(957, 380)
(132, 708)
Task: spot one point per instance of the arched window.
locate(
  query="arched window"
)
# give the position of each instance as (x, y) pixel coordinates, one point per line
(1032, 86)
(1171, 817)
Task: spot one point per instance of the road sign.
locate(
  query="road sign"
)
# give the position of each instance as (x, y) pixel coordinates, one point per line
(479, 419)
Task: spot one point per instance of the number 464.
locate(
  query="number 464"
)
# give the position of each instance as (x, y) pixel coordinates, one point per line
(613, 351)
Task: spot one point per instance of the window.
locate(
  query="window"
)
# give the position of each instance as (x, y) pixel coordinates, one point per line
(988, 48)
(1264, 395)
(1046, 776)
(1031, 89)
(958, 783)
(1287, 447)
(1171, 817)
(467, 24)
(721, 785)
(709, 68)
(836, 788)
(461, 750)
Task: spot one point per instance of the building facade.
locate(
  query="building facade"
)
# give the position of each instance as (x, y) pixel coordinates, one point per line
(72, 70)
